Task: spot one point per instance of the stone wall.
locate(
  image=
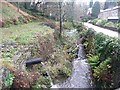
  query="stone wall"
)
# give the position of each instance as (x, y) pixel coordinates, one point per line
(112, 12)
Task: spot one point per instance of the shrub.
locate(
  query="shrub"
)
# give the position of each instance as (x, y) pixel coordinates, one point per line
(110, 24)
(68, 25)
(101, 69)
(101, 22)
(86, 18)
(45, 45)
(15, 21)
(19, 78)
(50, 24)
(94, 21)
(42, 83)
(56, 33)
(21, 19)
(106, 56)
(8, 23)
(9, 80)
(93, 60)
(79, 26)
(59, 66)
(118, 27)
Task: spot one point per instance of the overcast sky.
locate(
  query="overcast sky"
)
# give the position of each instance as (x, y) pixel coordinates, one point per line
(89, 0)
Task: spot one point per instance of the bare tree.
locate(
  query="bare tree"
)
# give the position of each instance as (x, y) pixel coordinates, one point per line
(60, 9)
(18, 6)
(69, 10)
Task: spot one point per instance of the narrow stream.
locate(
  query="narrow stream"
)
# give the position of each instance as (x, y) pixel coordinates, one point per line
(81, 73)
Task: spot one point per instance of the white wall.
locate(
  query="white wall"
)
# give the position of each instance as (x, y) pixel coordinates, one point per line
(113, 12)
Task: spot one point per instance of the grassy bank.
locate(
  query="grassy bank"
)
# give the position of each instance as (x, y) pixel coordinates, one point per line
(38, 40)
(23, 34)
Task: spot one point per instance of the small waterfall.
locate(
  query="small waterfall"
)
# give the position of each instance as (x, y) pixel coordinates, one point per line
(81, 53)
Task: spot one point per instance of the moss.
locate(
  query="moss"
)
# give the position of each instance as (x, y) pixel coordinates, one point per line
(101, 22)
(110, 24)
(42, 83)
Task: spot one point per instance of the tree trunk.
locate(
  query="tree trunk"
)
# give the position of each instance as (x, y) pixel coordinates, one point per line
(60, 8)
(72, 18)
(18, 6)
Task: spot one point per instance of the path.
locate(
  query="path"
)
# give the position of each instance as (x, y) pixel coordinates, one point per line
(102, 30)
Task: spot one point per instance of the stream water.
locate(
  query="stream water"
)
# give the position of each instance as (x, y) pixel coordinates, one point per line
(81, 73)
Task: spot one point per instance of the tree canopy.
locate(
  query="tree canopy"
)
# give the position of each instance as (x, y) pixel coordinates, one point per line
(96, 9)
(91, 4)
(110, 3)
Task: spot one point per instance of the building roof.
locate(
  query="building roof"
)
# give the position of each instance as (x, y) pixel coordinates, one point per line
(113, 17)
(110, 9)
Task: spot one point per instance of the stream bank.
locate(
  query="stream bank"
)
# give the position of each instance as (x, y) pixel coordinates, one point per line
(80, 77)
(81, 73)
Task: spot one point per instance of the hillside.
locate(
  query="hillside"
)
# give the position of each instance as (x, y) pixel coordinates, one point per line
(10, 14)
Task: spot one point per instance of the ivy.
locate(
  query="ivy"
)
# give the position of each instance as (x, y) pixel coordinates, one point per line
(9, 79)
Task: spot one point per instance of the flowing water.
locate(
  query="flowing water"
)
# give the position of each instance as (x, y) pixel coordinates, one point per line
(81, 74)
